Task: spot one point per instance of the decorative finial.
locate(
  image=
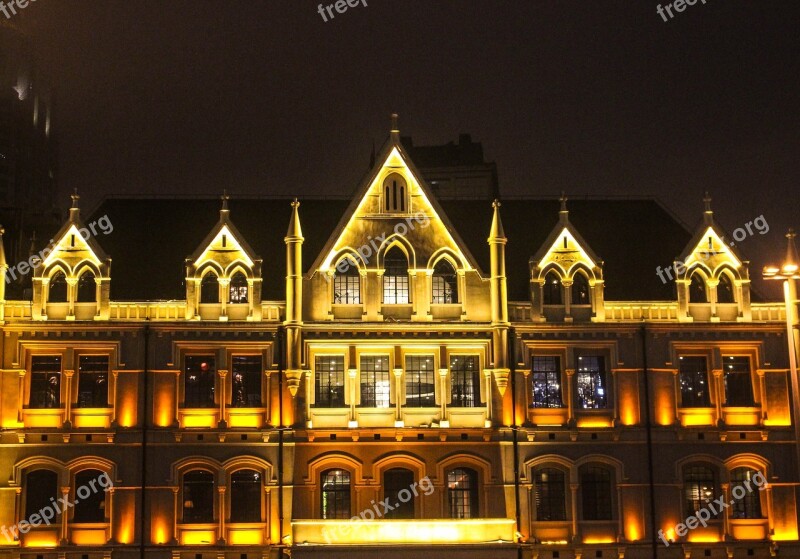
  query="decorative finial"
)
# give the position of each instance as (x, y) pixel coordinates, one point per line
(791, 234)
(394, 123)
(295, 203)
(496, 203)
(707, 201)
(563, 201)
(225, 197)
(75, 198)
(2, 230)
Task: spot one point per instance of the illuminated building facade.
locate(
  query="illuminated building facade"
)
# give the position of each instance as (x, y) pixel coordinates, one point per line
(471, 378)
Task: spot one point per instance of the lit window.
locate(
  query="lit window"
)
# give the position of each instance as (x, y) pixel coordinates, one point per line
(93, 381)
(45, 381)
(335, 494)
(596, 497)
(748, 506)
(329, 376)
(693, 379)
(420, 381)
(552, 290)
(699, 488)
(738, 382)
(550, 494)
(199, 380)
(246, 496)
(395, 278)
(375, 381)
(546, 382)
(91, 509)
(465, 381)
(198, 497)
(462, 493)
(247, 372)
(394, 193)
(238, 291)
(444, 283)
(347, 283)
(591, 380)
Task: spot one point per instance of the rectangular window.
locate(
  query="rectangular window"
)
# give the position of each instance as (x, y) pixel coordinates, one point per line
(738, 382)
(247, 372)
(45, 381)
(329, 377)
(93, 381)
(546, 382)
(375, 381)
(465, 381)
(347, 287)
(420, 381)
(694, 382)
(199, 381)
(591, 380)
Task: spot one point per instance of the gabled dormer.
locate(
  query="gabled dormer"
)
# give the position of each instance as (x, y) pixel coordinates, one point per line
(394, 253)
(223, 276)
(71, 276)
(711, 275)
(566, 276)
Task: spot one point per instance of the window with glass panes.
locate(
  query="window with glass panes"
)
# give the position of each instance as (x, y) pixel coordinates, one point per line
(546, 382)
(246, 374)
(198, 497)
(347, 283)
(420, 381)
(738, 381)
(335, 494)
(693, 378)
(246, 496)
(444, 283)
(199, 380)
(699, 488)
(748, 506)
(550, 493)
(93, 381)
(45, 381)
(462, 493)
(329, 381)
(465, 385)
(91, 508)
(395, 277)
(375, 381)
(41, 487)
(596, 493)
(592, 392)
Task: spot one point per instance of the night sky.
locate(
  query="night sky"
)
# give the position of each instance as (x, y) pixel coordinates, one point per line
(598, 98)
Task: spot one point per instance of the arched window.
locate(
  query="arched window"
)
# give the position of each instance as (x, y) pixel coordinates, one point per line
(90, 502)
(749, 505)
(58, 288)
(395, 277)
(397, 484)
(87, 288)
(699, 487)
(725, 293)
(462, 493)
(580, 290)
(40, 487)
(552, 290)
(198, 497)
(697, 289)
(551, 494)
(596, 493)
(394, 193)
(445, 283)
(347, 283)
(238, 292)
(335, 494)
(246, 496)
(209, 288)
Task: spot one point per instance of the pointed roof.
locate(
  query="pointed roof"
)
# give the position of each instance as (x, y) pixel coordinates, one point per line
(496, 233)
(76, 222)
(710, 227)
(294, 232)
(551, 243)
(3, 263)
(390, 147)
(224, 223)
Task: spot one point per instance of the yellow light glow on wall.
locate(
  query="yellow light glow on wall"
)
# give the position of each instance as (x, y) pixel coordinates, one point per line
(595, 422)
(721, 250)
(599, 541)
(100, 419)
(702, 538)
(250, 419)
(161, 531)
(633, 528)
(697, 417)
(198, 537)
(89, 536)
(164, 399)
(250, 536)
(48, 538)
(205, 419)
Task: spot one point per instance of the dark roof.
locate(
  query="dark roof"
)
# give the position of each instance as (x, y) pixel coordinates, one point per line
(152, 237)
(464, 153)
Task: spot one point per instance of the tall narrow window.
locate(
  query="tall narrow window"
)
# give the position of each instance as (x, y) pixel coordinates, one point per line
(591, 382)
(246, 493)
(45, 381)
(93, 381)
(92, 508)
(462, 493)
(58, 288)
(396, 488)
(329, 377)
(394, 192)
(738, 382)
(40, 487)
(725, 293)
(375, 381)
(247, 372)
(699, 488)
(697, 289)
(580, 290)
(198, 497)
(209, 289)
(87, 288)
(420, 381)
(552, 289)
(199, 380)
(395, 277)
(551, 494)
(596, 493)
(445, 283)
(238, 290)
(694, 382)
(347, 283)
(748, 506)
(546, 382)
(465, 381)
(335, 494)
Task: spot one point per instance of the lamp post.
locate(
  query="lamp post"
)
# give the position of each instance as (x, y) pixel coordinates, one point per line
(789, 272)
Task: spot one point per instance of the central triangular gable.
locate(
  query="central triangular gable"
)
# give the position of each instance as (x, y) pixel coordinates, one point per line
(711, 249)
(567, 250)
(224, 247)
(75, 245)
(422, 229)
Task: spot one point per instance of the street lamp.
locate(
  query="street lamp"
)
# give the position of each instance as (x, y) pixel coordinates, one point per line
(790, 273)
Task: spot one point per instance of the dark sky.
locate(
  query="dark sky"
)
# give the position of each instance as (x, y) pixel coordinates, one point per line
(590, 97)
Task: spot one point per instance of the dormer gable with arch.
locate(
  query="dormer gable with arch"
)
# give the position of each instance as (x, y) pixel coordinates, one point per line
(72, 275)
(711, 275)
(223, 275)
(566, 276)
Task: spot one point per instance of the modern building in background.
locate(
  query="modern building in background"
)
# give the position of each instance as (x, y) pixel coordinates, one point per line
(468, 378)
(28, 163)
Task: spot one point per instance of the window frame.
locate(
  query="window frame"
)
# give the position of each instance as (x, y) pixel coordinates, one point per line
(364, 380)
(548, 291)
(750, 398)
(456, 500)
(400, 288)
(261, 383)
(184, 500)
(603, 372)
(700, 500)
(205, 289)
(559, 374)
(601, 504)
(707, 400)
(337, 492)
(214, 374)
(351, 280)
(82, 375)
(233, 285)
(60, 404)
(551, 499)
(99, 490)
(330, 400)
(440, 284)
(233, 505)
(407, 383)
(476, 381)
